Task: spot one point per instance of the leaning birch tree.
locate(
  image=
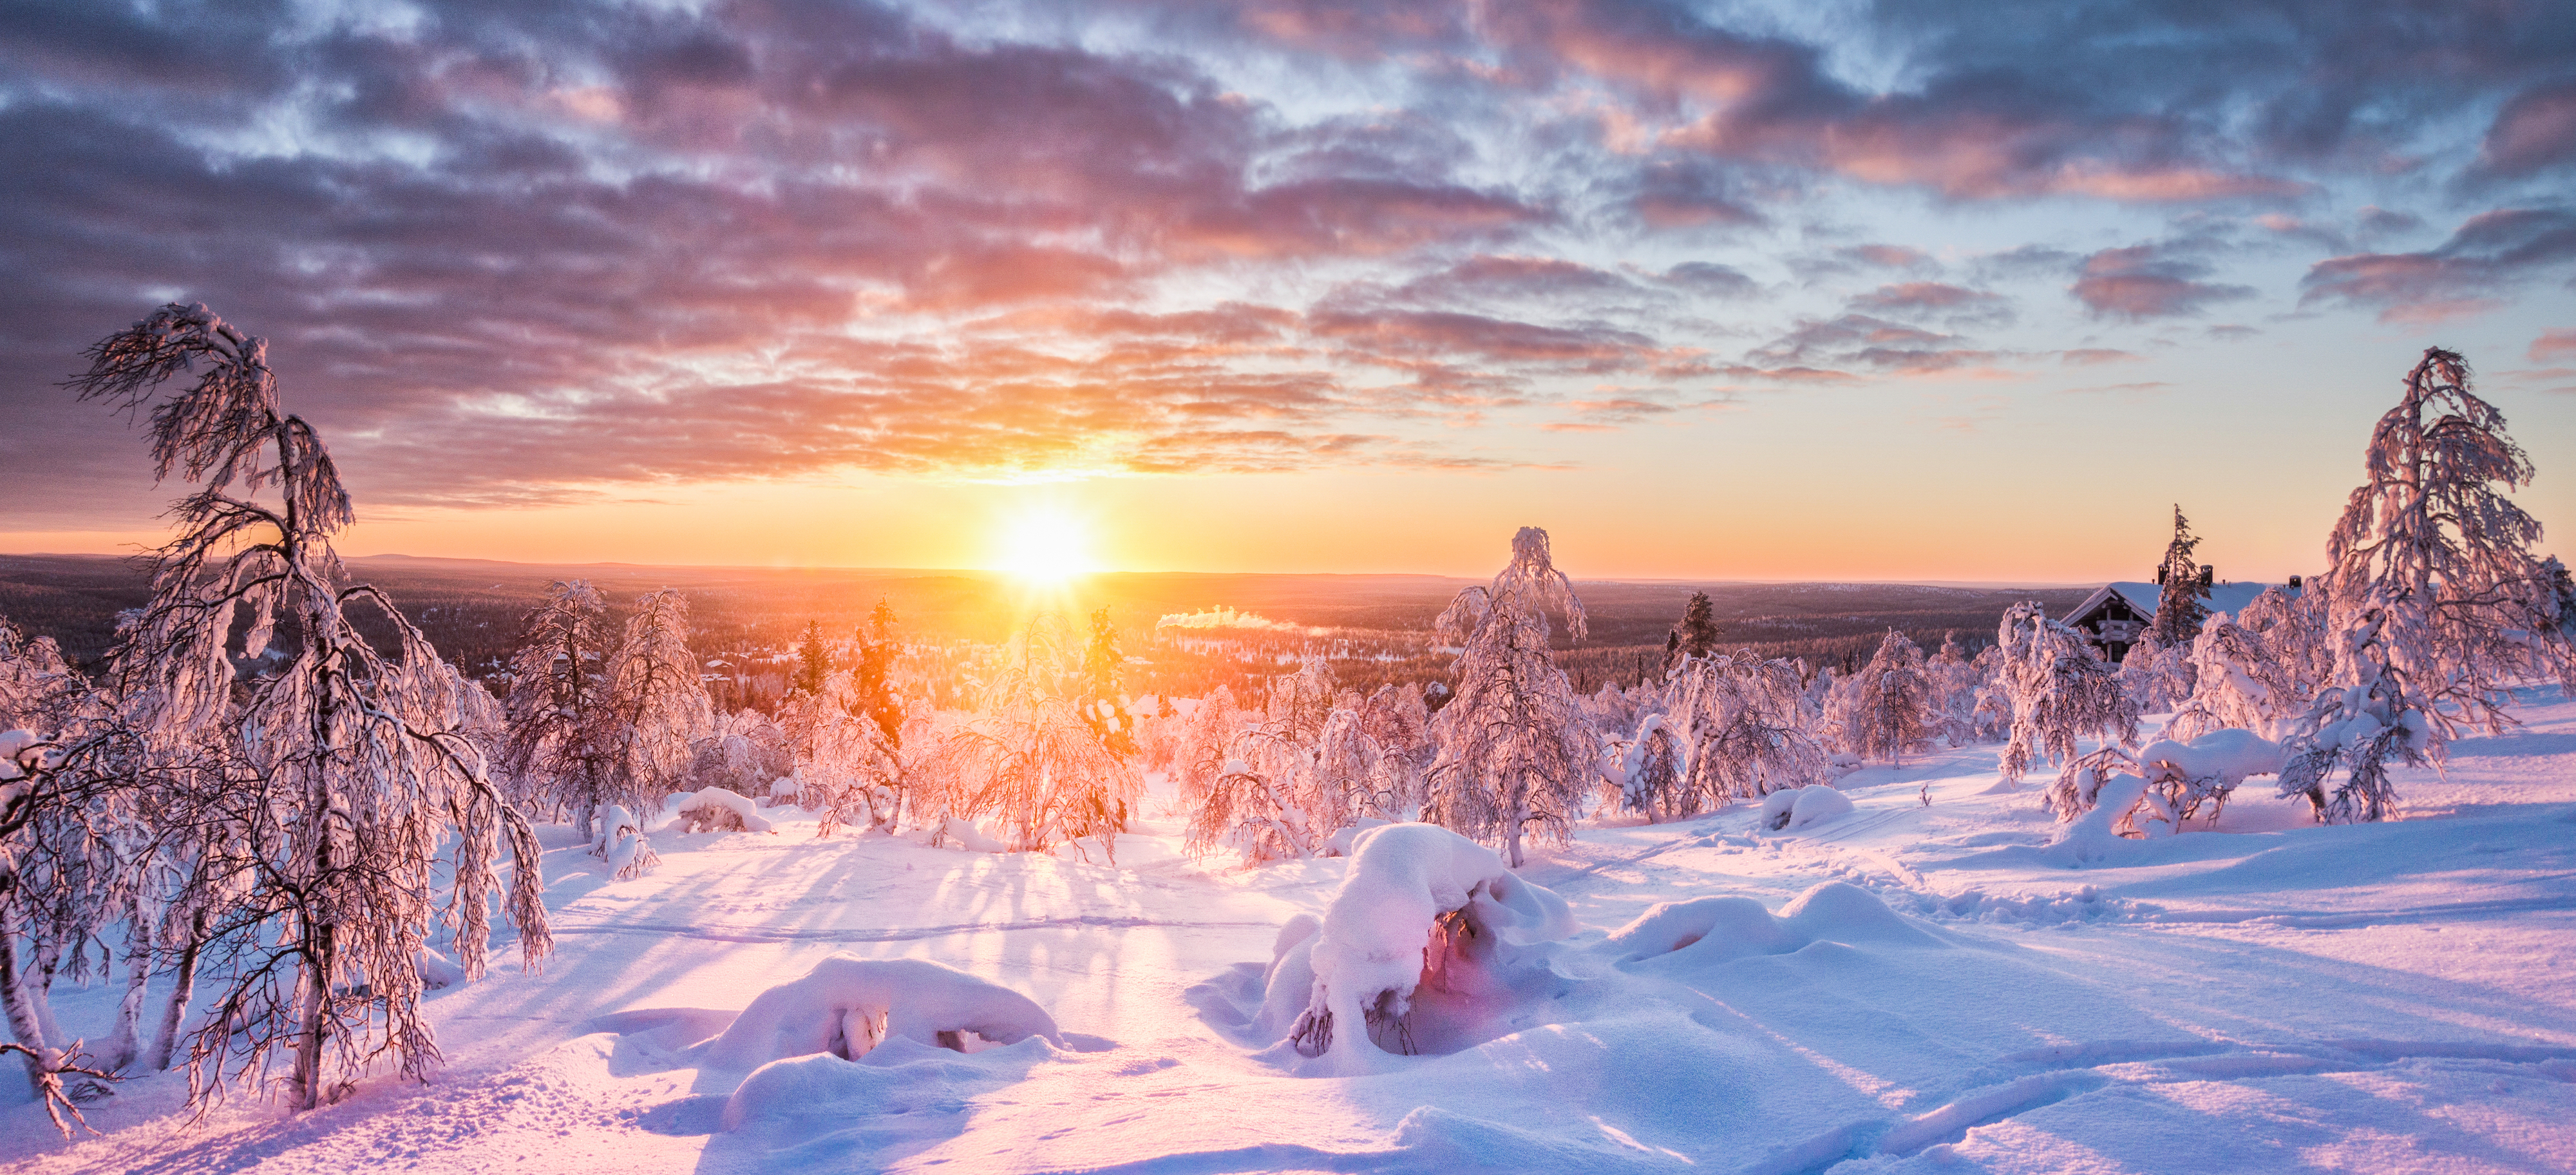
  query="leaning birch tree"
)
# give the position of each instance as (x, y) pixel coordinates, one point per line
(345, 767)
(2433, 599)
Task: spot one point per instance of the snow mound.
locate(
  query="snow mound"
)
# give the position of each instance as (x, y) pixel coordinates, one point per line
(1715, 930)
(718, 809)
(2225, 757)
(846, 1005)
(1798, 807)
(965, 835)
(1412, 892)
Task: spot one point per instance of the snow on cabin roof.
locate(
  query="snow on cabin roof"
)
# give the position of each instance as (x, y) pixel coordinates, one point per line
(2230, 598)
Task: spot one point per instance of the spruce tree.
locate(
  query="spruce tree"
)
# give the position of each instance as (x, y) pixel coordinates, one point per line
(2178, 607)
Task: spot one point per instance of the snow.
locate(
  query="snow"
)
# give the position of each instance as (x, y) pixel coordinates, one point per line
(1900, 989)
(716, 809)
(1798, 807)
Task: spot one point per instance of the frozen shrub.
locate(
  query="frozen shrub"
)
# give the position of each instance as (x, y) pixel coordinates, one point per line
(1416, 899)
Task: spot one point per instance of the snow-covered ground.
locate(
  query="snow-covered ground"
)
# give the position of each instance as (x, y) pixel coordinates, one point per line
(2271, 996)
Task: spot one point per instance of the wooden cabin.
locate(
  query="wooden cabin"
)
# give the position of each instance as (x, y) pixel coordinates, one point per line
(2116, 615)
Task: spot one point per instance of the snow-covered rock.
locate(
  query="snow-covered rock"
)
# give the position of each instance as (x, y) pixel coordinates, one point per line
(1373, 946)
(1797, 807)
(846, 1005)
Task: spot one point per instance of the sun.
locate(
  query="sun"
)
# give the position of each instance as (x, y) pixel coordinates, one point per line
(1046, 547)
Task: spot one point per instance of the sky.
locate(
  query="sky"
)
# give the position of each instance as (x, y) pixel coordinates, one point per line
(1921, 289)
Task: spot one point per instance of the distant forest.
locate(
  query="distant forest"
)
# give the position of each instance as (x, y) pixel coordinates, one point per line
(745, 622)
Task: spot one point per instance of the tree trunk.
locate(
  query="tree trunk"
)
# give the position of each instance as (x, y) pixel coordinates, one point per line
(124, 1042)
(167, 1041)
(40, 985)
(23, 1020)
(319, 963)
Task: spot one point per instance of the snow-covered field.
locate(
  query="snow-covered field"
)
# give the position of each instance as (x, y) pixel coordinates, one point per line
(2270, 996)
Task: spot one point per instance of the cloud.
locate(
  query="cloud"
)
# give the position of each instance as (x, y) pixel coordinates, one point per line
(2140, 282)
(2534, 132)
(1711, 279)
(2488, 256)
(2552, 345)
(1954, 304)
(2095, 356)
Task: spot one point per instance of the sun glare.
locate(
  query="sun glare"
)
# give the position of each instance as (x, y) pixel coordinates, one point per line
(1047, 547)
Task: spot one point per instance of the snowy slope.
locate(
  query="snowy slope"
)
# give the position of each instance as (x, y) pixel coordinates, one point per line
(2270, 996)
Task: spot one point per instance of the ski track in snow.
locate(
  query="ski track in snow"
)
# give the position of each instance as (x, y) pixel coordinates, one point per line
(2269, 996)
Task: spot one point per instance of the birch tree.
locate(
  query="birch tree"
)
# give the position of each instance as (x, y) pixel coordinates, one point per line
(2433, 598)
(2060, 691)
(343, 769)
(1515, 753)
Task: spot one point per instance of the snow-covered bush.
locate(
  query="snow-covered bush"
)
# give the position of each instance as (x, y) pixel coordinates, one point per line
(1651, 772)
(622, 844)
(718, 810)
(1417, 901)
(1515, 754)
(2060, 690)
(2164, 784)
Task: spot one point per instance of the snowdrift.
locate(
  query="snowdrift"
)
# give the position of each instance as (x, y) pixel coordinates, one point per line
(845, 1006)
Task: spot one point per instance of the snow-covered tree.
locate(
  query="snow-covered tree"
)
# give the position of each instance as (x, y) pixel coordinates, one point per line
(2433, 598)
(2254, 671)
(1515, 754)
(813, 660)
(2178, 607)
(1742, 722)
(2060, 691)
(1955, 681)
(1894, 708)
(73, 781)
(556, 747)
(342, 768)
(1036, 759)
(1283, 783)
(658, 700)
(593, 722)
(2159, 677)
